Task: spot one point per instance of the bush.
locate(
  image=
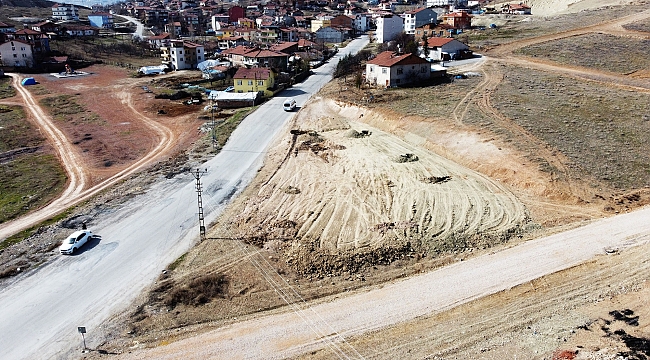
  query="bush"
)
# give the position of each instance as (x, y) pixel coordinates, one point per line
(199, 291)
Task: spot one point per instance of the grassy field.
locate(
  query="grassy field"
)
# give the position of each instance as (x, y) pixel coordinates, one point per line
(604, 52)
(6, 90)
(31, 176)
(603, 131)
(66, 108)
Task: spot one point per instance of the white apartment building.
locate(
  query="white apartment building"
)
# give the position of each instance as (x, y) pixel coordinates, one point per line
(388, 26)
(65, 12)
(16, 53)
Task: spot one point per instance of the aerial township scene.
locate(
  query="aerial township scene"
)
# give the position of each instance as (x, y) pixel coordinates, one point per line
(410, 179)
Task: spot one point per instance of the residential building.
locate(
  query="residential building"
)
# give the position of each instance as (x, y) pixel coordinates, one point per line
(388, 26)
(175, 29)
(235, 13)
(320, 23)
(390, 69)
(40, 42)
(361, 22)
(439, 49)
(80, 30)
(255, 80)
(65, 12)
(158, 41)
(101, 20)
(7, 28)
(439, 3)
(181, 55)
(255, 57)
(517, 9)
(17, 53)
(289, 35)
(418, 17)
(342, 21)
(44, 27)
(329, 35)
(458, 20)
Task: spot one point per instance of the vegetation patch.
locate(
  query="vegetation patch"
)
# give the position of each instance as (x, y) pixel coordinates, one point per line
(29, 178)
(66, 108)
(197, 292)
(6, 90)
(621, 55)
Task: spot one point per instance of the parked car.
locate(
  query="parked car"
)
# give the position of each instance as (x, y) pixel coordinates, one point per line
(289, 105)
(229, 89)
(73, 242)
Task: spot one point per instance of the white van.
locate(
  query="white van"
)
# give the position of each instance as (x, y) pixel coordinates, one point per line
(289, 105)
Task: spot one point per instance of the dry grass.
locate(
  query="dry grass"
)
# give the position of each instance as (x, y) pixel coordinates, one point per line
(600, 51)
(603, 131)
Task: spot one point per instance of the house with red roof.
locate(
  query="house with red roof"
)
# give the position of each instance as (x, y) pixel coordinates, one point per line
(439, 49)
(391, 69)
(458, 20)
(517, 9)
(255, 57)
(255, 80)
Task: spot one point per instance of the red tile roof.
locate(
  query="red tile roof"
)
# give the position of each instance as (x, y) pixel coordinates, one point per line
(389, 58)
(438, 41)
(254, 73)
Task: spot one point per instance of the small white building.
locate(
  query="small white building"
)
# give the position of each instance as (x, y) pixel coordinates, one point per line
(390, 69)
(388, 26)
(444, 49)
(16, 53)
(418, 17)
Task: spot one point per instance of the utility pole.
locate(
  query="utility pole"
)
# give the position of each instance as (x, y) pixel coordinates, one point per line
(197, 175)
(214, 128)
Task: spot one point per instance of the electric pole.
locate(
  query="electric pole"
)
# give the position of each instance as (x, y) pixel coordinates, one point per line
(214, 128)
(197, 175)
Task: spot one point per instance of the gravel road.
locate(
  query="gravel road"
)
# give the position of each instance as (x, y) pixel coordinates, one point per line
(308, 328)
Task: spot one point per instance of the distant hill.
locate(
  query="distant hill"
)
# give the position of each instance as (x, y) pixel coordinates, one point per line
(27, 3)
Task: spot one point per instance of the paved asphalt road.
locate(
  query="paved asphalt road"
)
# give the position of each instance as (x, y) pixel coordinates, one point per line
(40, 311)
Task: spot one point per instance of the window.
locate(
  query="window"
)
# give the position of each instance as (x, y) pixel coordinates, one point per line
(260, 82)
(173, 52)
(383, 70)
(15, 55)
(239, 82)
(372, 69)
(180, 52)
(250, 82)
(23, 48)
(13, 48)
(24, 55)
(181, 59)
(400, 71)
(423, 69)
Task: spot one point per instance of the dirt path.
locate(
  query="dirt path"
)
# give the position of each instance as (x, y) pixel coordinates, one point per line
(77, 171)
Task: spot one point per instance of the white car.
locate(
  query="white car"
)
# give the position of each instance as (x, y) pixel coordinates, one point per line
(73, 242)
(289, 105)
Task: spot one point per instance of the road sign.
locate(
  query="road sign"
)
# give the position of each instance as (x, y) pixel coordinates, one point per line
(81, 329)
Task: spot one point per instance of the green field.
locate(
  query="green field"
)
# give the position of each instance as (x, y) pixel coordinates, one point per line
(31, 175)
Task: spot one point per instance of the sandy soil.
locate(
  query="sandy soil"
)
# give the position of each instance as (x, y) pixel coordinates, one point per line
(347, 191)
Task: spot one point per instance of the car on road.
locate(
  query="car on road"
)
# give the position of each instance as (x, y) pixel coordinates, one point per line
(289, 105)
(229, 89)
(73, 242)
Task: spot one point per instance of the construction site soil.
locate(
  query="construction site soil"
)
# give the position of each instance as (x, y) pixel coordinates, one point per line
(368, 186)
